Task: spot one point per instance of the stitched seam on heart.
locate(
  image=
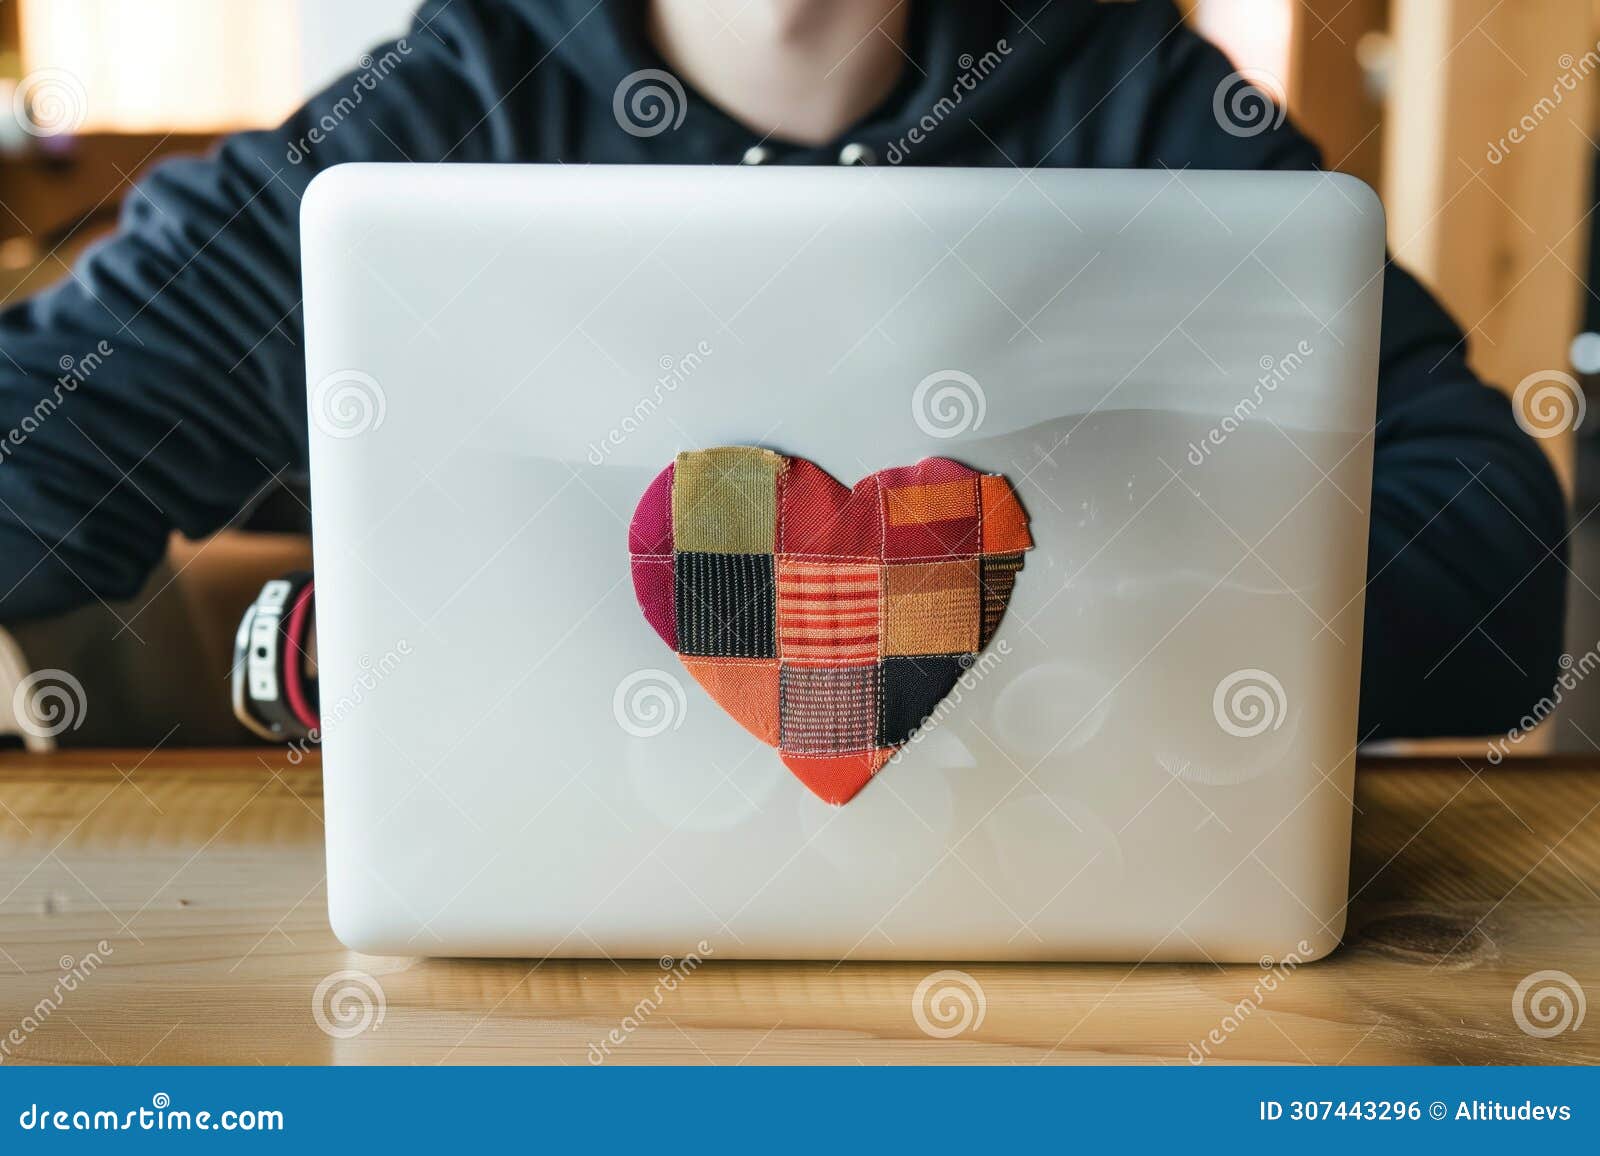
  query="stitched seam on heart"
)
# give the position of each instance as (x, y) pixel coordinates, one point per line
(880, 722)
(866, 559)
(780, 532)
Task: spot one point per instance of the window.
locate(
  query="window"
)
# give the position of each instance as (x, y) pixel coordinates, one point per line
(158, 65)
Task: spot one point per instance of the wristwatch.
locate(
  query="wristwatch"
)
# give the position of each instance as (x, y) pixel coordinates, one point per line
(274, 688)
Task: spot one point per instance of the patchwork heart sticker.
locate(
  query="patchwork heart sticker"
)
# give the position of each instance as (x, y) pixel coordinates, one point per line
(829, 622)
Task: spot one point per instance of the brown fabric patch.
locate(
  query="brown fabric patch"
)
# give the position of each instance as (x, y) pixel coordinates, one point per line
(931, 607)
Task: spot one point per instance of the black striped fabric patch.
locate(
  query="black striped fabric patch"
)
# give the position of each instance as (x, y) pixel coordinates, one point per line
(725, 605)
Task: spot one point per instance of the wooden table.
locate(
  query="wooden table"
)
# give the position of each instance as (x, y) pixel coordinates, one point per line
(183, 896)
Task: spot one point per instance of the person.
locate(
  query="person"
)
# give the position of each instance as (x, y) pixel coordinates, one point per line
(196, 399)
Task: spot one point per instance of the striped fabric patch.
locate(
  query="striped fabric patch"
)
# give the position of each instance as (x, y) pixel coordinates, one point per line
(931, 607)
(828, 710)
(827, 612)
(998, 573)
(725, 605)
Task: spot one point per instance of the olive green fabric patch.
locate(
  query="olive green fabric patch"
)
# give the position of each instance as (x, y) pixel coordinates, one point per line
(724, 501)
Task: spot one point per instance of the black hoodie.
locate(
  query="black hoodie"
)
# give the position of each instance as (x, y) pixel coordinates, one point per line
(186, 385)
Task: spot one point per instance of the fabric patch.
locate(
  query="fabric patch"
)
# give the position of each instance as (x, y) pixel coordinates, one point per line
(1005, 526)
(650, 550)
(819, 518)
(747, 688)
(725, 605)
(921, 503)
(837, 778)
(930, 510)
(828, 710)
(650, 532)
(912, 688)
(931, 607)
(653, 585)
(725, 501)
(998, 575)
(828, 611)
(828, 622)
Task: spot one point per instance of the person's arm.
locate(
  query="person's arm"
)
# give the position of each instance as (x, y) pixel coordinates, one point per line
(1467, 558)
(162, 385)
(1467, 561)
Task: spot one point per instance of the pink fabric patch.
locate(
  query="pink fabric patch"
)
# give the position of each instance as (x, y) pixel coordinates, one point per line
(650, 532)
(650, 544)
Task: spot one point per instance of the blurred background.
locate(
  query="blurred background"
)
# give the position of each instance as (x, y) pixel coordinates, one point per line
(1475, 120)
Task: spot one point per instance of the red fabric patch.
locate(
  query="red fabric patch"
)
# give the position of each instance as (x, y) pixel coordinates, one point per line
(821, 518)
(837, 779)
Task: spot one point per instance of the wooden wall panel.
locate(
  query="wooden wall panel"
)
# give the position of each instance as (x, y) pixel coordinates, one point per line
(1487, 160)
(1328, 90)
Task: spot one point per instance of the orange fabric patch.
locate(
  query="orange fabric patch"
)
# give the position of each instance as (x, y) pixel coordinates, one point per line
(934, 502)
(1005, 526)
(836, 778)
(746, 688)
(931, 607)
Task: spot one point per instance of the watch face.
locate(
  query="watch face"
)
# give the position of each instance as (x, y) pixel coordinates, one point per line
(258, 691)
(262, 663)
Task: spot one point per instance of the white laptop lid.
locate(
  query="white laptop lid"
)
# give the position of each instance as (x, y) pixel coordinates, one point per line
(1177, 372)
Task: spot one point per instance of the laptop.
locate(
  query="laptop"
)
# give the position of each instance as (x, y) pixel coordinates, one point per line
(1150, 756)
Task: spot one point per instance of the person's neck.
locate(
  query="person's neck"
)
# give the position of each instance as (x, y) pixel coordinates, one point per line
(799, 70)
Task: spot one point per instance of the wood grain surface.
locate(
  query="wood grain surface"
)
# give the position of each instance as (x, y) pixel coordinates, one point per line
(171, 908)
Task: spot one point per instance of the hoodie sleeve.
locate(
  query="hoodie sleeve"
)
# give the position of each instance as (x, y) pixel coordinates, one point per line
(161, 384)
(1467, 558)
